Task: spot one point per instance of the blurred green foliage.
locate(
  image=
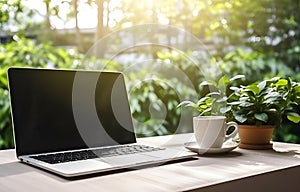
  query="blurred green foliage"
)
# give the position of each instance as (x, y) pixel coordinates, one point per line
(154, 101)
(154, 104)
(27, 53)
(254, 65)
(154, 107)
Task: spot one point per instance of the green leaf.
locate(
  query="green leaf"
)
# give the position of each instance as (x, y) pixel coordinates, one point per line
(203, 99)
(240, 118)
(186, 104)
(281, 82)
(224, 110)
(272, 97)
(203, 106)
(209, 101)
(223, 81)
(235, 103)
(214, 94)
(294, 117)
(205, 83)
(262, 85)
(246, 104)
(262, 117)
(237, 77)
(205, 112)
(254, 88)
(297, 89)
(234, 88)
(274, 79)
(222, 99)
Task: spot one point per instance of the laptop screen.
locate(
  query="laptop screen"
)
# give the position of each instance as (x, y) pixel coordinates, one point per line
(55, 110)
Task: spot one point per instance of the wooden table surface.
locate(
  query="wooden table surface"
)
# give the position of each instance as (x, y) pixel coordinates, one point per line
(239, 170)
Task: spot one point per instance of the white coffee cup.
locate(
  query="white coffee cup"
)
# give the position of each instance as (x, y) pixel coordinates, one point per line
(210, 131)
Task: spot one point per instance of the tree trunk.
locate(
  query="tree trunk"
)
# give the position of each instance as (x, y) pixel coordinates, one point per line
(79, 40)
(100, 27)
(48, 24)
(98, 50)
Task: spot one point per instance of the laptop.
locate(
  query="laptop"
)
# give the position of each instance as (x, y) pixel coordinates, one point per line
(73, 122)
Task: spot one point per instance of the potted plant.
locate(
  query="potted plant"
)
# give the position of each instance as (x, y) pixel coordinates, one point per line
(215, 101)
(260, 107)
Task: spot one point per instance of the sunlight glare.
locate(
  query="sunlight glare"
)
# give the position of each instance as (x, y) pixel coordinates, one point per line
(162, 19)
(195, 13)
(88, 14)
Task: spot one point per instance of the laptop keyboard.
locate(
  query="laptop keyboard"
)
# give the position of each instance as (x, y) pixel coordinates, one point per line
(63, 157)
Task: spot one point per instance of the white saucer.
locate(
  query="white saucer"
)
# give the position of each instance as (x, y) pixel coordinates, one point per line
(227, 147)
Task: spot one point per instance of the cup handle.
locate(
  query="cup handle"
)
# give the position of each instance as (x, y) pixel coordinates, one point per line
(234, 132)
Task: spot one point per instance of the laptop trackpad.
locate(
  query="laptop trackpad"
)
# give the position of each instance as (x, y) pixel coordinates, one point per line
(129, 159)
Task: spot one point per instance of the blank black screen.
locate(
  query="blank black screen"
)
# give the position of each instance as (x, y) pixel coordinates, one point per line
(56, 110)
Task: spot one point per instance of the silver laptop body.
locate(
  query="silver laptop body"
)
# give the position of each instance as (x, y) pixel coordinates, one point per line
(58, 112)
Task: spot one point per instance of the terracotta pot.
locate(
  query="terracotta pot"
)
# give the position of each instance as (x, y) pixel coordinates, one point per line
(255, 137)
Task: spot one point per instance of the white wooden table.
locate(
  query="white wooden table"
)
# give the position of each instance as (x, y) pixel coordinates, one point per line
(240, 170)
